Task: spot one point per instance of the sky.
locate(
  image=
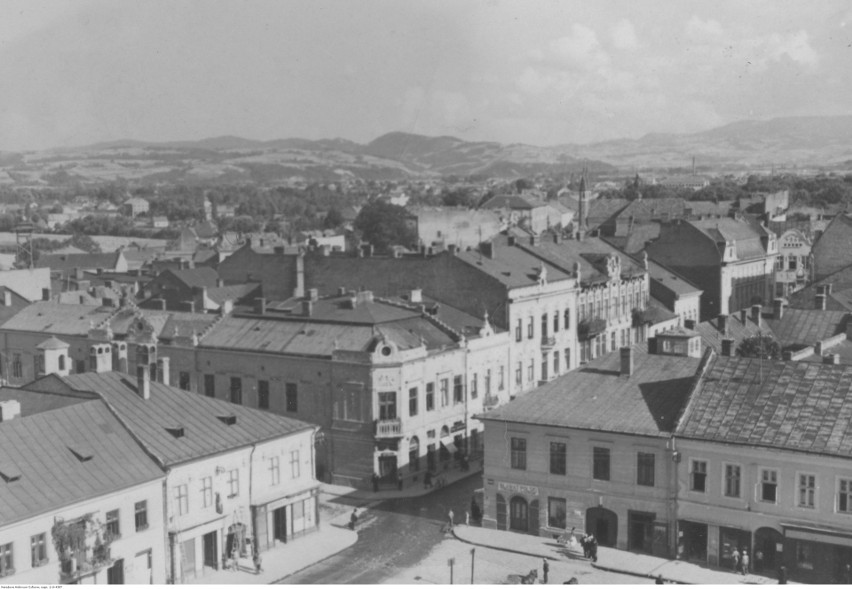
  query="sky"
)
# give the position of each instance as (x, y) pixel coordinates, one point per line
(532, 71)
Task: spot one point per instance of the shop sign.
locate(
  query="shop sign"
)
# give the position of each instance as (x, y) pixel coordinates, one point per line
(515, 488)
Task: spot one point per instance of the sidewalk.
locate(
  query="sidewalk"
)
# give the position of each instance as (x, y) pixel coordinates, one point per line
(359, 497)
(285, 559)
(609, 559)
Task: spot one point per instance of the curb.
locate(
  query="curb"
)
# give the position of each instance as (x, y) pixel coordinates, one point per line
(635, 574)
(502, 549)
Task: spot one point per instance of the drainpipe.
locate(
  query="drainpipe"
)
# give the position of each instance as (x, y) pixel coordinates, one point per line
(673, 503)
(254, 544)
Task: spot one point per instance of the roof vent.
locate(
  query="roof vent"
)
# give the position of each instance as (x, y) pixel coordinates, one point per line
(177, 431)
(228, 419)
(9, 472)
(82, 452)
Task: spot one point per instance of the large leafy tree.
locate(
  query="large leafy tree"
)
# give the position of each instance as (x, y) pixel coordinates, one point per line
(383, 224)
(759, 346)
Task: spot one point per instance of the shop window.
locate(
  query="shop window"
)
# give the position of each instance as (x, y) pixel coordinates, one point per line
(556, 512)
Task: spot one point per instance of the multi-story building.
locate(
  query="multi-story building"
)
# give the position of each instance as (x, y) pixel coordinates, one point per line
(237, 479)
(793, 266)
(675, 293)
(459, 226)
(592, 451)
(731, 260)
(80, 500)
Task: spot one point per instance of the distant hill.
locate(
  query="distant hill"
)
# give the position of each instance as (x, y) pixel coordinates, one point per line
(801, 141)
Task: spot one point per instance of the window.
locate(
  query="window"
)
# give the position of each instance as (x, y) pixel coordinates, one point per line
(519, 330)
(181, 499)
(530, 328)
(645, 468)
(458, 389)
(804, 555)
(233, 483)
(556, 512)
(294, 464)
(38, 549)
(387, 405)
(558, 457)
(18, 366)
(113, 527)
(807, 491)
(274, 471)
(519, 373)
(445, 392)
(474, 386)
(567, 358)
(501, 378)
(430, 396)
(209, 385)
(140, 515)
(207, 491)
(556, 322)
(844, 495)
(585, 351)
(600, 464)
(566, 319)
(519, 453)
(291, 395)
(81, 366)
(7, 563)
(263, 394)
(768, 485)
(183, 380)
(412, 402)
(531, 371)
(236, 390)
(732, 480)
(556, 362)
(488, 382)
(698, 476)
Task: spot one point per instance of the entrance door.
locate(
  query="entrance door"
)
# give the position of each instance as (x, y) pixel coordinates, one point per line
(603, 523)
(430, 457)
(387, 467)
(501, 512)
(694, 541)
(279, 524)
(208, 547)
(518, 514)
(115, 573)
(765, 559)
(640, 528)
(187, 558)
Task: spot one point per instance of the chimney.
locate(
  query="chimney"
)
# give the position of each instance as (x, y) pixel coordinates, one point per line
(452, 249)
(416, 296)
(755, 313)
(511, 240)
(722, 320)
(143, 382)
(260, 306)
(220, 283)
(831, 359)
(45, 294)
(828, 288)
(7, 298)
(743, 316)
(100, 358)
(313, 294)
(367, 250)
(557, 237)
(9, 410)
(163, 373)
(777, 308)
(78, 273)
(626, 361)
(727, 347)
(535, 240)
(819, 302)
(307, 308)
(486, 248)
(190, 306)
(341, 291)
(325, 249)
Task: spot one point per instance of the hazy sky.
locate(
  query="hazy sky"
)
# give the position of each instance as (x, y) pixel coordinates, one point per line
(533, 71)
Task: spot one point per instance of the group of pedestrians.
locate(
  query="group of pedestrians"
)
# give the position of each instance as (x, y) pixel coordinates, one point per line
(741, 561)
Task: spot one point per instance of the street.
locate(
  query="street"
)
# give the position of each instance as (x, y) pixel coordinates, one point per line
(403, 541)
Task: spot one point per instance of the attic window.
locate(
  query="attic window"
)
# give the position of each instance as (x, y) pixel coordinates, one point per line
(177, 431)
(82, 452)
(228, 419)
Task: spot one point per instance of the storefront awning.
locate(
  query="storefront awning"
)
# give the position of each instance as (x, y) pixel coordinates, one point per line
(450, 446)
(819, 534)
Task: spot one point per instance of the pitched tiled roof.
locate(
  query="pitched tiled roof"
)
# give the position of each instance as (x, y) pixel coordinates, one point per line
(513, 201)
(234, 292)
(737, 330)
(780, 405)
(840, 298)
(205, 433)
(203, 276)
(85, 261)
(38, 402)
(805, 327)
(671, 280)
(57, 319)
(39, 449)
(513, 266)
(597, 397)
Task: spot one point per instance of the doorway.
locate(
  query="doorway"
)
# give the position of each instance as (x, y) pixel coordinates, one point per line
(279, 524)
(603, 523)
(209, 550)
(519, 514)
(640, 529)
(766, 543)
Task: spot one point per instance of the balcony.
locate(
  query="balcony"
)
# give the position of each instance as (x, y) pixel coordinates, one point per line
(388, 428)
(548, 342)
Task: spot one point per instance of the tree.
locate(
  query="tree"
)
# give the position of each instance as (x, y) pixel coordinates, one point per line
(333, 218)
(760, 346)
(383, 224)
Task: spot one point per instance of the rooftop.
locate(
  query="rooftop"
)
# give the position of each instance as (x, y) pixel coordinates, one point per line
(805, 327)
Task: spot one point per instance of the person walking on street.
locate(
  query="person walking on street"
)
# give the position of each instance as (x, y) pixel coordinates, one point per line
(353, 519)
(782, 575)
(745, 561)
(593, 548)
(735, 559)
(399, 479)
(545, 568)
(451, 517)
(375, 482)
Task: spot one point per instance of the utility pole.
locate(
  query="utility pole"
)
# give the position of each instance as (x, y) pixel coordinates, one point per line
(451, 562)
(472, 561)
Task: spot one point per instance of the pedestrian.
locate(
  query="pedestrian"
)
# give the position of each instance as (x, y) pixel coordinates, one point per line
(474, 509)
(375, 478)
(745, 561)
(584, 542)
(353, 519)
(451, 517)
(257, 563)
(467, 518)
(399, 479)
(847, 574)
(735, 559)
(545, 568)
(659, 580)
(782, 575)
(593, 548)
